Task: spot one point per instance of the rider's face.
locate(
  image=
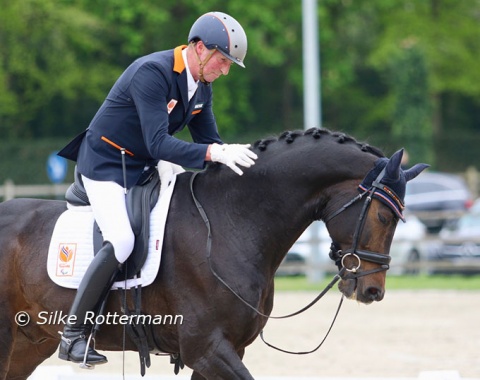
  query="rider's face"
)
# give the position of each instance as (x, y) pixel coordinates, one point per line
(216, 66)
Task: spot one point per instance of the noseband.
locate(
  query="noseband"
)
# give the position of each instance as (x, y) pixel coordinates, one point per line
(339, 256)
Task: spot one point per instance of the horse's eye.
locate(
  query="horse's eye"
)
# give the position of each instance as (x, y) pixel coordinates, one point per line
(382, 219)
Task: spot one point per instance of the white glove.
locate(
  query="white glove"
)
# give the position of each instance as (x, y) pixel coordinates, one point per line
(233, 155)
(167, 170)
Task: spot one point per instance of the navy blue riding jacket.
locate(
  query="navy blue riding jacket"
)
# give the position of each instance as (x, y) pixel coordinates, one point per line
(145, 107)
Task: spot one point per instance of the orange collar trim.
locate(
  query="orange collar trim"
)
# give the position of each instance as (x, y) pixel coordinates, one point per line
(178, 63)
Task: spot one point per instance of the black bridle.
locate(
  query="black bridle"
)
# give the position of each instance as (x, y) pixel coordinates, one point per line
(339, 256)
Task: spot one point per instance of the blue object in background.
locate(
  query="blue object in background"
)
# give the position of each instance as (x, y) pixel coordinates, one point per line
(56, 168)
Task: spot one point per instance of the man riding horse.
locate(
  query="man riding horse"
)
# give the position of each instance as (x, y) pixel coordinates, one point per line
(154, 98)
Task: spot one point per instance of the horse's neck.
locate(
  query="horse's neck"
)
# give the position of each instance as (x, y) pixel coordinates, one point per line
(263, 212)
(269, 207)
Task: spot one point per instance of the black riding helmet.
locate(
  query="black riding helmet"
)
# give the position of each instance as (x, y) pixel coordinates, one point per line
(220, 31)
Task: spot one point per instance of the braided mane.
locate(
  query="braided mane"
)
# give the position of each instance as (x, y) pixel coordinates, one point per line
(317, 133)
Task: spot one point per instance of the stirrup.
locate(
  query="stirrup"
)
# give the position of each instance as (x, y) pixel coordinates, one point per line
(86, 365)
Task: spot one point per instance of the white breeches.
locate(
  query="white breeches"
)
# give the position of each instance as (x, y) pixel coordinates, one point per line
(110, 211)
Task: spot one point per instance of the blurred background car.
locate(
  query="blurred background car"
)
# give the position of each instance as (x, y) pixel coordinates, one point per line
(312, 245)
(437, 199)
(457, 249)
(309, 255)
(407, 246)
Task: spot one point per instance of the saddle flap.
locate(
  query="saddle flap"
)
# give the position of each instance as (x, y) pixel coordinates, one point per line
(140, 201)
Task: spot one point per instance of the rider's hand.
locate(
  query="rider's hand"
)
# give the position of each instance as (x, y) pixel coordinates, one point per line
(233, 155)
(167, 170)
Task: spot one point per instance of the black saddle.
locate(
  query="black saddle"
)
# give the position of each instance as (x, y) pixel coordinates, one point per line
(140, 201)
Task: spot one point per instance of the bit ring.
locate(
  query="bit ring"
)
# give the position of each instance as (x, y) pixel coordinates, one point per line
(353, 270)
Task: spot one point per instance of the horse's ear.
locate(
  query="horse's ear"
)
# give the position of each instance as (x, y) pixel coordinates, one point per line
(392, 170)
(414, 171)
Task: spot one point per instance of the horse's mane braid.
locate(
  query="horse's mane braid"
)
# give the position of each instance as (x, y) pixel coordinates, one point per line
(317, 133)
(290, 137)
(262, 144)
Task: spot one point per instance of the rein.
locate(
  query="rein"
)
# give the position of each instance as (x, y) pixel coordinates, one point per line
(338, 255)
(204, 216)
(335, 279)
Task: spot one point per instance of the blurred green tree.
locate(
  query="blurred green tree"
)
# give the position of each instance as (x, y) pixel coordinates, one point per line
(59, 58)
(53, 60)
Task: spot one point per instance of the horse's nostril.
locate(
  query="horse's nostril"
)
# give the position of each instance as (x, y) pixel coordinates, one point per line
(372, 290)
(374, 293)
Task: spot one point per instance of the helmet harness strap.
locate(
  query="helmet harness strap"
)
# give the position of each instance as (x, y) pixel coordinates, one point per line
(202, 63)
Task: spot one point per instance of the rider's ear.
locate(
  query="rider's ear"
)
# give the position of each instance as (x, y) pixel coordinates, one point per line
(200, 47)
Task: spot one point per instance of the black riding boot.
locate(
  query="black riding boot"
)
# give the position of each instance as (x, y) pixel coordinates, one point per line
(93, 289)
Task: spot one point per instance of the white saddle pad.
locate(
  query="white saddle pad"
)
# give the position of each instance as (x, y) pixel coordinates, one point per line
(71, 247)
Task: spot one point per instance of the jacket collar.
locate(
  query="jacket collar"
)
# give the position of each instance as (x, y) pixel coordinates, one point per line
(178, 63)
(179, 68)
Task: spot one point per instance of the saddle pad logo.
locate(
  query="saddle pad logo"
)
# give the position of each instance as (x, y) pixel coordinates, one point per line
(66, 259)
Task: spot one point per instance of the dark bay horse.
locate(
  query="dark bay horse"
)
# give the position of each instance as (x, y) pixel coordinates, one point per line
(298, 178)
